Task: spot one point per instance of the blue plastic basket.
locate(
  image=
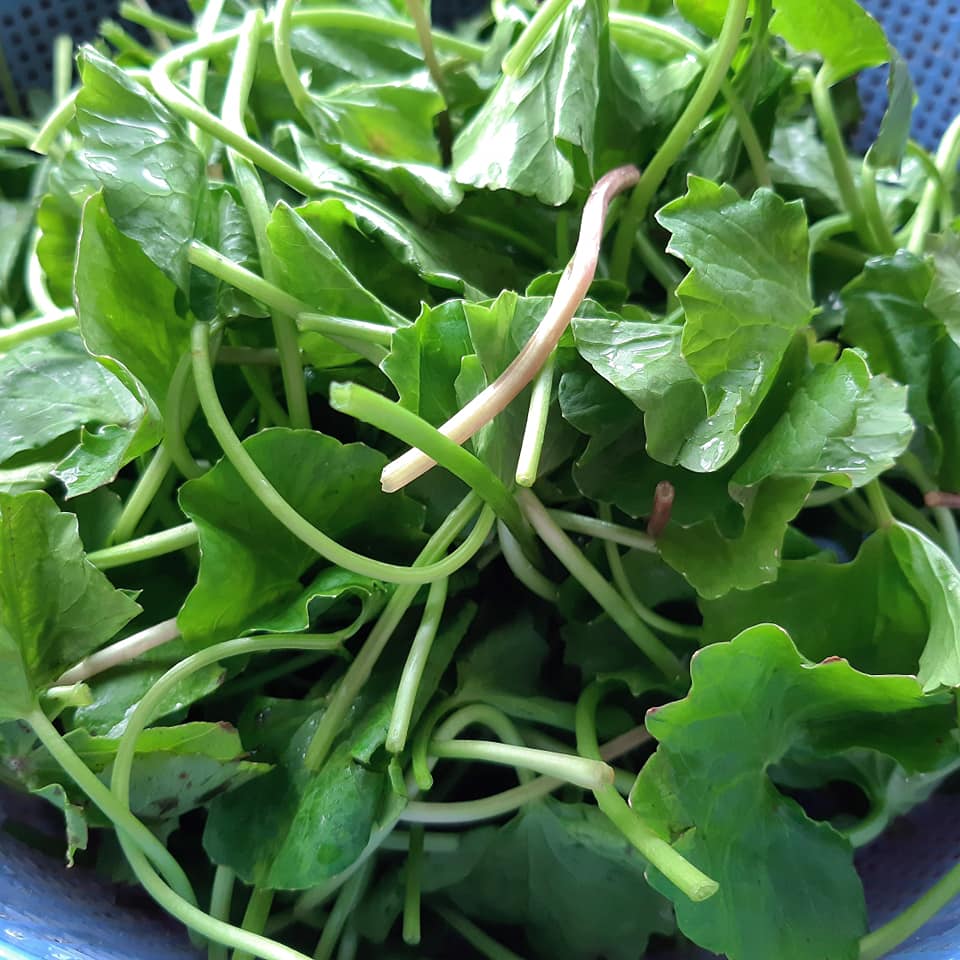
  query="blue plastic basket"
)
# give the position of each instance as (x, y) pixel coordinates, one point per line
(49, 912)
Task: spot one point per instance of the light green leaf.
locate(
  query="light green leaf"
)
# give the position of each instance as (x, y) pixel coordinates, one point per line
(888, 149)
(55, 606)
(943, 297)
(752, 700)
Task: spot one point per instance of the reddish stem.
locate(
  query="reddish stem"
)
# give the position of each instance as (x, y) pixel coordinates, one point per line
(662, 508)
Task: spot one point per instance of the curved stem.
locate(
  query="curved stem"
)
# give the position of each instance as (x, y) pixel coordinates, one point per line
(521, 53)
(145, 548)
(40, 327)
(603, 529)
(826, 229)
(522, 568)
(123, 651)
(670, 149)
(255, 916)
(572, 288)
(837, 152)
(235, 98)
(535, 429)
(116, 811)
(155, 22)
(141, 496)
(279, 508)
(37, 282)
(677, 869)
(948, 154)
(563, 548)
(414, 666)
(882, 941)
(362, 665)
(625, 26)
(55, 124)
(475, 811)
(283, 51)
(373, 408)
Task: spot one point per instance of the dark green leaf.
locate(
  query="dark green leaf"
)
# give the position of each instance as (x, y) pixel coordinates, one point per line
(753, 699)
(250, 564)
(56, 606)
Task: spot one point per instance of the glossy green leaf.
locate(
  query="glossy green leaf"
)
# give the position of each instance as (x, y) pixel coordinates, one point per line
(127, 307)
(842, 425)
(56, 606)
(151, 173)
(250, 565)
(564, 873)
(752, 699)
(522, 136)
(840, 31)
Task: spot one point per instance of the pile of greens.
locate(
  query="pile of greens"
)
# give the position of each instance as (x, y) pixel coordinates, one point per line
(672, 625)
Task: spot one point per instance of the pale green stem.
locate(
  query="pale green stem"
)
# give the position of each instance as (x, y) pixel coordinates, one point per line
(199, 68)
(520, 54)
(677, 139)
(603, 530)
(155, 22)
(677, 869)
(16, 133)
(344, 328)
(353, 681)
(563, 548)
(145, 548)
(876, 222)
(948, 154)
(522, 568)
(36, 282)
(413, 881)
(283, 51)
(280, 509)
(946, 522)
(62, 66)
(826, 229)
(346, 903)
(535, 430)
(414, 666)
(482, 942)
(255, 917)
(235, 98)
(40, 327)
(221, 899)
(141, 496)
(878, 504)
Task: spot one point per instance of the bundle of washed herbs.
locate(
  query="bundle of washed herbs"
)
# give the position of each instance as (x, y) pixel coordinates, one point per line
(481, 489)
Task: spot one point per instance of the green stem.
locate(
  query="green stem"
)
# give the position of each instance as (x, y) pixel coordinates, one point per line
(255, 916)
(279, 508)
(482, 942)
(199, 68)
(677, 139)
(419, 12)
(826, 229)
(878, 504)
(8, 88)
(343, 328)
(362, 665)
(475, 811)
(145, 548)
(115, 810)
(948, 154)
(178, 411)
(155, 22)
(875, 220)
(625, 26)
(522, 568)
(882, 941)
(40, 327)
(37, 282)
(589, 774)
(372, 408)
(677, 869)
(62, 66)
(414, 666)
(513, 236)
(283, 51)
(535, 429)
(221, 899)
(563, 548)
(347, 901)
(946, 521)
(661, 267)
(622, 582)
(520, 54)
(904, 510)
(114, 34)
(603, 530)
(239, 84)
(16, 133)
(413, 882)
(141, 496)
(837, 152)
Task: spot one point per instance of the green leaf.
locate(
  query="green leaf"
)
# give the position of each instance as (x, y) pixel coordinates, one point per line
(751, 701)
(943, 397)
(250, 565)
(714, 562)
(842, 425)
(151, 172)
(745, 297)
(127, 307)
(865, 611)
(934, 577)
(56, 606)
(16, 217)
(74, 819)
(521, 138)
(840, 31)
(943, 297)
(300, 828)
(52, 386)
(564, 874)
(888, 149)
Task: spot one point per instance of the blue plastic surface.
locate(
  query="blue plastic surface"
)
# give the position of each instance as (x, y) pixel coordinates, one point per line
(50, 913)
